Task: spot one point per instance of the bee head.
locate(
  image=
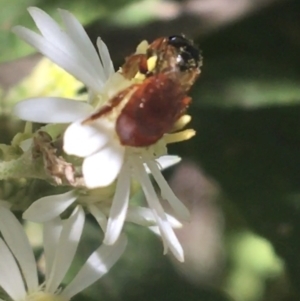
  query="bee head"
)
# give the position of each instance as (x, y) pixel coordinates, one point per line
(188, 55)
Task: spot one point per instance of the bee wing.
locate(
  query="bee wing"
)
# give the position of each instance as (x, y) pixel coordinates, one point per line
(151, 110)
(113, 107)
(142, 113)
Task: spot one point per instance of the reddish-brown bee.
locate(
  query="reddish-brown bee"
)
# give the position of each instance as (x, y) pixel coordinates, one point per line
(154, 104)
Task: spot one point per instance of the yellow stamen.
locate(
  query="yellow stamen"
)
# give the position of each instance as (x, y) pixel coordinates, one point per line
(180, 136)
(181, 122)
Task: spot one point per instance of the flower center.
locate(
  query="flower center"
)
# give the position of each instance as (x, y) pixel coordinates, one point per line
(98, 195)
(43, 296)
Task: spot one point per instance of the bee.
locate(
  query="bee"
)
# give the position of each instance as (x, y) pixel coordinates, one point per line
(150, 107)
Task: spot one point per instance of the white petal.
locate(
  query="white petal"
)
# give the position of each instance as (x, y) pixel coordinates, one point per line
(155, 230)
(59, 57)
(119, 207)
(66, 249)
(175, 223)
(49, 207)
(51, 234)
(98, 264)
(79, 36)
(5, 204)
(15, 237)
(99, 216)
(102, 168)
(83, 140)
(169, 238)
(165, 162)
(51, 110)
(167, 193)
(141, 216)
(61, 40)
(105, 58)
(10, 277)
(144, 217)
(51, 31)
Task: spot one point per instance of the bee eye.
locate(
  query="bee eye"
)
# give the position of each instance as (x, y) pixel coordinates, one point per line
(178, 41)
(188, 54)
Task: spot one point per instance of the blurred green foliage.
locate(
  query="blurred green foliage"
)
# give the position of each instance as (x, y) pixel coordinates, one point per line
(253, 263)
(45, 79)
(14, 12)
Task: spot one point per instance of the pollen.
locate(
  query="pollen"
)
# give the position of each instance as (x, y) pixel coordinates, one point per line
(151, 63)
(139, 76)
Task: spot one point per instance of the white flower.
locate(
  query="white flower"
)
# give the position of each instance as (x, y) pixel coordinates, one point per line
(105, 159)
(98, 202)
(19, 275)
(73, 51)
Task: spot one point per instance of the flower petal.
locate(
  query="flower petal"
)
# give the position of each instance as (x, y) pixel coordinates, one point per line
(51, 31)
(155, 230)
(51, 110)
(144, 216)
(165, 162)
(102, 168)
(49, 207)
(5, 204)
(167, 193)
(66, 249)
(99, 216)
(169, 238)
(83, 140)
(98, 264)
(10, 277)
(79, 36)
(15, 237)
(105, 58)
(51, 234)
(119, 207)
(59, 57)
